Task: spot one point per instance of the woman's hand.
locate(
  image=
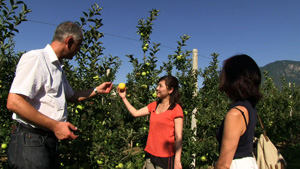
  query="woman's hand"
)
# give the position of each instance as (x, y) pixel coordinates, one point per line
(178, 165)
(122, 93)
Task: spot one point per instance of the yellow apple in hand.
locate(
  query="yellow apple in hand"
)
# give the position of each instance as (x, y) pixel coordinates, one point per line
(122, 86)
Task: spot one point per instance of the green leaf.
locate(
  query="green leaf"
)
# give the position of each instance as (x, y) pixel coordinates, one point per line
(12, 2)
(82, 19)
(20, 2)
(5, 13)
(85, 14)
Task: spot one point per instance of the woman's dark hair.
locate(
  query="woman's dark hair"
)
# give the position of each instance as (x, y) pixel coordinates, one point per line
(172, 82)
(240, 79)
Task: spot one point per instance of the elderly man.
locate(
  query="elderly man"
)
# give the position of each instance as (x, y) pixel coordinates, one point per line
(38, 97)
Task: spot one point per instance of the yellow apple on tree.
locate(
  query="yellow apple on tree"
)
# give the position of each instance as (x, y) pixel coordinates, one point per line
(145, 48)
(203, 158)
(99, 162)
(79, 107)
(120, 165)
(96, 77)
(179, 57)
(144, 86)
(3, 145)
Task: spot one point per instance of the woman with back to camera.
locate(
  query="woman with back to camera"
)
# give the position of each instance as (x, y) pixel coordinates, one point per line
(240, 80)
(164, 143)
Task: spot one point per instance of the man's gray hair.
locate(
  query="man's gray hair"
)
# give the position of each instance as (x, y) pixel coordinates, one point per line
(67, 29)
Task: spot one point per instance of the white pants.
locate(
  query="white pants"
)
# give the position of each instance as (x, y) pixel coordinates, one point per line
(244, 163)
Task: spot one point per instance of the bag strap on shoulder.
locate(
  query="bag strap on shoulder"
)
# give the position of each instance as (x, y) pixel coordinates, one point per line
(262, 126)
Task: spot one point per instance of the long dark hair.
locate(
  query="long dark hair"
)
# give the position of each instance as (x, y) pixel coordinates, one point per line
(241, 78)
(172, 82)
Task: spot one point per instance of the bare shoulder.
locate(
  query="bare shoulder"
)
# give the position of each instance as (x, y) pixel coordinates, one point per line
(235, 114)
(234, 122)
(235, 111)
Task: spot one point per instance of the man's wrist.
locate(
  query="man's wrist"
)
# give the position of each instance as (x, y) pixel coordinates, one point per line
(95, 90)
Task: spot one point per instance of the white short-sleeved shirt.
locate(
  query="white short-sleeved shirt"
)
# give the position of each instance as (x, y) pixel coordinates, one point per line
(40, 77)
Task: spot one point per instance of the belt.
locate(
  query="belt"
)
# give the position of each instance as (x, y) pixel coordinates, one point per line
(41, 132)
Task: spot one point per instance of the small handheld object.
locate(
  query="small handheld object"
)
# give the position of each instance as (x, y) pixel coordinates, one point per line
(122, 86)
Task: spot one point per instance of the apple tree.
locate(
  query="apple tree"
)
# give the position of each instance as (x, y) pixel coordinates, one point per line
(92, 116)
(278, 110)
(212, 106)
(10, 19)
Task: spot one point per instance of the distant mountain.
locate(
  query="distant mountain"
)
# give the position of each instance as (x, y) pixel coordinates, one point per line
(290, 70)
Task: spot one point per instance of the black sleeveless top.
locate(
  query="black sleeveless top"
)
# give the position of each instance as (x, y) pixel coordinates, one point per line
(245, 144)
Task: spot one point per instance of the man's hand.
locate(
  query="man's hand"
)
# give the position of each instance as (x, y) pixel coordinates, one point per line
(81, 95)
(105, 87)
(63, 131)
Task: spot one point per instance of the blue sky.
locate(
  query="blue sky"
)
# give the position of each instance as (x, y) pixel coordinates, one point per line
(267, 30)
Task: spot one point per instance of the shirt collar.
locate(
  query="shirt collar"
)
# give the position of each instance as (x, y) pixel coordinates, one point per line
(52, 55)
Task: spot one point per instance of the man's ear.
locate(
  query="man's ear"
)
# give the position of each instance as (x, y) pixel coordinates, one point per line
(69, 41)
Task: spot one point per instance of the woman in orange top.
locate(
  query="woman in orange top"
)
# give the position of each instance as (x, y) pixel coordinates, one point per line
(164, 143)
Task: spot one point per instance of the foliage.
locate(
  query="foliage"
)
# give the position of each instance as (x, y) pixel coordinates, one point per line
(211, 110)
(291, 154)
(89, 70)
(109, 137)
(9, 20)
(278, 110)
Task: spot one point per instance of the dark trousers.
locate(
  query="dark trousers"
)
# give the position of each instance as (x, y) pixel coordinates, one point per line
(154, 162)
(31, 148)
